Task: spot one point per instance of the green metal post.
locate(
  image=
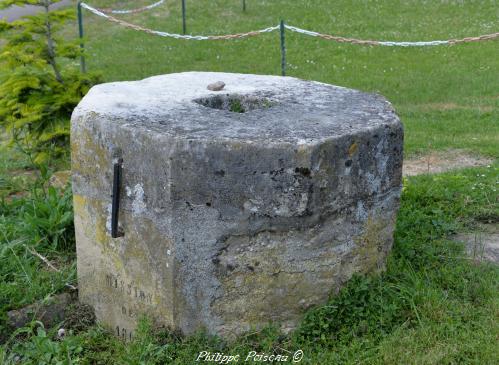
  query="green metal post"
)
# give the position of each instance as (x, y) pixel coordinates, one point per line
(244, 5)
(283, 49)
(184, 27)
(82, 46)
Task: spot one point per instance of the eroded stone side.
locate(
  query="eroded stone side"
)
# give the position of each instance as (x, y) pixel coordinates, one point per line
(231, 220)
(112, 273)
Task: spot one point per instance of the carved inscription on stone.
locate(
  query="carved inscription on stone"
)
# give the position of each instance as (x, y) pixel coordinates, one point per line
(124, 294)
(128, 288)
(125, 334)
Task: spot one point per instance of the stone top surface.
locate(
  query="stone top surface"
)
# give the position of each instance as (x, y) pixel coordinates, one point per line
(276, 108)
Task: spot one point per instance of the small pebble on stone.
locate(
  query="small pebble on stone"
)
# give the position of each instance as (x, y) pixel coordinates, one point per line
(216, 86)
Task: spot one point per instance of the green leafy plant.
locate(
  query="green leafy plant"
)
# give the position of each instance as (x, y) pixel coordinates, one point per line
(40, 83)
(35, 230)
(49, 220)
(41, 348)
(432, 305)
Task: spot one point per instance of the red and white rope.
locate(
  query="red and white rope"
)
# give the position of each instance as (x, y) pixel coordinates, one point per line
(104, 14)
(390, 43)
(177, 36)
(131, 11)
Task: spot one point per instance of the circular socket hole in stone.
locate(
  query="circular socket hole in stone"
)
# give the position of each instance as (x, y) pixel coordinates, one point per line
(235, 103)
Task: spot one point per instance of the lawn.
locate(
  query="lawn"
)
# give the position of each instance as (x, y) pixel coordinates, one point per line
(432, 305)
(447, 96)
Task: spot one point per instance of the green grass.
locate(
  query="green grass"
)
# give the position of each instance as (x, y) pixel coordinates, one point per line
(33, 219)
(447, 96)
(15, 172)
(40, 223)
(433, 305)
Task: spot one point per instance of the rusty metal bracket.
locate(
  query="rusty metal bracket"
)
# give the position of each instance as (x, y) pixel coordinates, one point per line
(115, 208)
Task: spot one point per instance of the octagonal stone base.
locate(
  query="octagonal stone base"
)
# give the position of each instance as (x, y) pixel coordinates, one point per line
(238, 207)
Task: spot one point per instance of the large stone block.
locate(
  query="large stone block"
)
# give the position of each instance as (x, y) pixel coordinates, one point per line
(240, 207)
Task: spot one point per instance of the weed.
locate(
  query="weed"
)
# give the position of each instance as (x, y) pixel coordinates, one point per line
(431, 305)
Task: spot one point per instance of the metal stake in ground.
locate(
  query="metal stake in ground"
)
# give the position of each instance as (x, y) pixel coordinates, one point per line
(184, 27)
(283, 48)
(244, 5)
(82, 46)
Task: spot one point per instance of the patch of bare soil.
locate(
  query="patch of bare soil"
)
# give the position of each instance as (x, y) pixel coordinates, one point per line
(441, 161)
(79, 317)
(62, 310)
(49, 311)
(482, 245)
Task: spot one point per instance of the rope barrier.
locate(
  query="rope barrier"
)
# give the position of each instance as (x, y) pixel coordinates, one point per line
(131, 11)
(389, 43)
(104, 14)
(177, 36)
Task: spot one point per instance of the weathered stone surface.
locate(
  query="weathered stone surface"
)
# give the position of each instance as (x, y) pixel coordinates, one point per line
(239, 208)
(49, 312)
